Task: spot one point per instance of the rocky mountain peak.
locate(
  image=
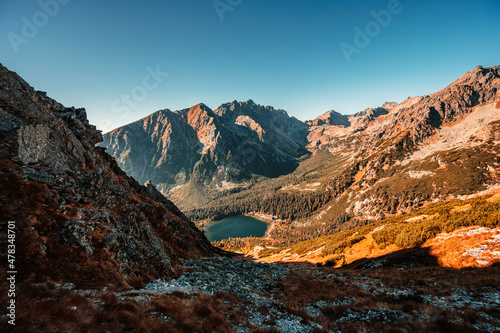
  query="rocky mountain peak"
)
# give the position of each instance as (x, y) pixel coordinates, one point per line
(475, 79)
(390, 105)
(200, 146)
(330, 118)
(372, 113)
(476, 87)
(199, 116)
(248, 108)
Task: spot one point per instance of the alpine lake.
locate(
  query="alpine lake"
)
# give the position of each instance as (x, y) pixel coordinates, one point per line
(235, 226)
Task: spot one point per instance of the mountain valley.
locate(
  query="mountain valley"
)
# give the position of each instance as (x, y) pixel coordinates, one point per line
(388, 219)
(350, 170)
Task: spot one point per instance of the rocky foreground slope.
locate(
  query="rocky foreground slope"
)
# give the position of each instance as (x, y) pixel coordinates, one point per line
(78, 218)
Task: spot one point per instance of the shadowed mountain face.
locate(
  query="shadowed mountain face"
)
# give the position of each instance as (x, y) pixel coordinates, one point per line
(218, 149)
(79, 218)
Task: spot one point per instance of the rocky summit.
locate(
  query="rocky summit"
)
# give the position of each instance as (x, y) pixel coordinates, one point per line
(197, 150)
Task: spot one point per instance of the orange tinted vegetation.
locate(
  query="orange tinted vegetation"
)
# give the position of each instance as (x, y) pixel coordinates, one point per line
(466, 247)
(401, 232)
(461, 208)
(367, 248)
(360, 175)
(494, 198)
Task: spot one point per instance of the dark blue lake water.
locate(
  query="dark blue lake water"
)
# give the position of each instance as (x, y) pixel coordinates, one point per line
(235, 226)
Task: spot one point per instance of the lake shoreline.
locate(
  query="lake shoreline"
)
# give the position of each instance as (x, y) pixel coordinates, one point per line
(270, 228)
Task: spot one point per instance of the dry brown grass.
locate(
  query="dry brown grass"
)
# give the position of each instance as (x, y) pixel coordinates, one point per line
(63, 311)
(299, 288)
(203, 314)
(38, 220)
(434, 280)
(49, 310)
(7, 164)
(45, 309)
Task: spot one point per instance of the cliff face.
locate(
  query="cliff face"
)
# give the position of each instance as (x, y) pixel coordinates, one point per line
(193, 148)
(79, 218)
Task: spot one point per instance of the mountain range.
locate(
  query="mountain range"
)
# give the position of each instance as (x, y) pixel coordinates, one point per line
(198, 149)
(373, 164)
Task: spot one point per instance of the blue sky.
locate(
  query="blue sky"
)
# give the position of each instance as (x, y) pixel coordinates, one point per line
(285, 53)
